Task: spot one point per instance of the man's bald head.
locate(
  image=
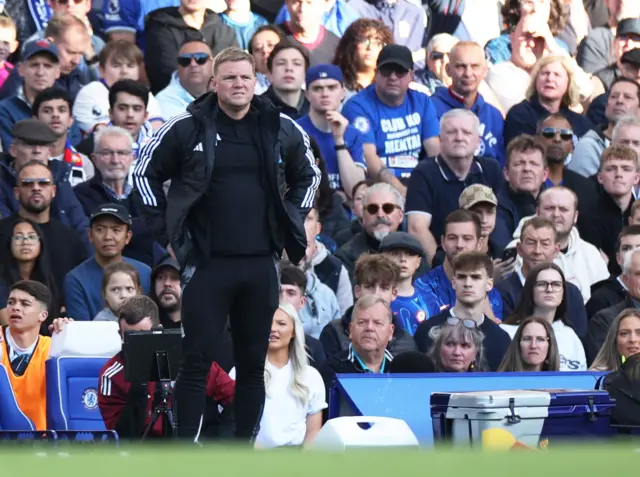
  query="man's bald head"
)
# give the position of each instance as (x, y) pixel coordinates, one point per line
(467, 68)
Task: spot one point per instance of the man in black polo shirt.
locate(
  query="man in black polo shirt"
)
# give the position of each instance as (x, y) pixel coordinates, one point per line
(435, 185)
(555, 133)
(288, 64)
(232, 207)
(371, 330)
(472, 272)
(305, 29)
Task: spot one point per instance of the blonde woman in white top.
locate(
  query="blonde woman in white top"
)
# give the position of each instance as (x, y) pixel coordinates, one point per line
(295, 393)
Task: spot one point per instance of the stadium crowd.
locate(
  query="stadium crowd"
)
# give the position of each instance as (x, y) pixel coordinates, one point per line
(476, 207)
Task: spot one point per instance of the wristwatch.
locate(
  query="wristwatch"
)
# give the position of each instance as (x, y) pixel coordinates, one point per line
(340, 147)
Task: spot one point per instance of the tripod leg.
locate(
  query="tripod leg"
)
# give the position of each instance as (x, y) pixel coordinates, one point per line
(172, 423)
(152, 421)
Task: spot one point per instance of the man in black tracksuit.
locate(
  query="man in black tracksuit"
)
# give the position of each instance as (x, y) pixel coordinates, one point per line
(243, 179)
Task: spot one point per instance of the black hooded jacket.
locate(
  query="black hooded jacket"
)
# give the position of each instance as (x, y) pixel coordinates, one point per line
(166, 31)
(183, 150)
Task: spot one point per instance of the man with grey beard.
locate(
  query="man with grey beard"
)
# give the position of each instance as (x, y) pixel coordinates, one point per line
(383, 212)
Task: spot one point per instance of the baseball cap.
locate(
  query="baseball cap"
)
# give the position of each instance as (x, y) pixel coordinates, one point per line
(395, 55)
(166, 261)
(40, 46)
(324, 71)
(631, 57)
(476, 194)
(91, 107)
(628, 26)
(118, 211)
(33, 131)
(401, 241)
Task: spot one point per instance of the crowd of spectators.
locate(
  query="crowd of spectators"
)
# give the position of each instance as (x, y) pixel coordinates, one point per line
(480, 168)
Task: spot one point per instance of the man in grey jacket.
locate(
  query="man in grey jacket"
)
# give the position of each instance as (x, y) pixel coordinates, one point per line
(623, 100)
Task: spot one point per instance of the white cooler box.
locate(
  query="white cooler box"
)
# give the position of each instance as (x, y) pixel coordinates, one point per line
(508, 419)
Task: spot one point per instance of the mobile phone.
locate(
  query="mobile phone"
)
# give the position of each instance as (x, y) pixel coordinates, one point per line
(509, 253)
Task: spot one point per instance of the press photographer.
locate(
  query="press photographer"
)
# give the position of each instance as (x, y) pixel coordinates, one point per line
(127, 408)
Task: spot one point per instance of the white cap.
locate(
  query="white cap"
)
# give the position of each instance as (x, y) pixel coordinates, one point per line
(91, 106)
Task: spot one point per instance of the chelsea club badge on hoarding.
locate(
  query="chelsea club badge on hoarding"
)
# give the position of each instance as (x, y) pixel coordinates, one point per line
(90, 399)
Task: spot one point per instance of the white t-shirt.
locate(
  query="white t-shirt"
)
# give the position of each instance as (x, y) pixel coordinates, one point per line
(284, 420)
(572, 357)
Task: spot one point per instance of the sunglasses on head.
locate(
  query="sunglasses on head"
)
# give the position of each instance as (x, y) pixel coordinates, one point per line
(398, 70)
(550, 133)
(387, 208)
(200, 58)
(453, 321)
(41, 181)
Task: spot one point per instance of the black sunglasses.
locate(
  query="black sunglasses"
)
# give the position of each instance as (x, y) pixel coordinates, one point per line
(436, 55)
(398, 70)
(386, 208)
(41, 181)
(185, 60)
(550, 133)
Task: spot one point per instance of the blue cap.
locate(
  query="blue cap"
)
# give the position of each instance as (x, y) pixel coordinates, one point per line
(324, 72)
(40, 46)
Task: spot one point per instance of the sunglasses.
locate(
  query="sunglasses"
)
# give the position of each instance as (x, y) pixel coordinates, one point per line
(66, 2)
(387, 208)
(550, 133)
(400, 72)
(41, 181)
(200, 58)
(436, 55)
(453, 321)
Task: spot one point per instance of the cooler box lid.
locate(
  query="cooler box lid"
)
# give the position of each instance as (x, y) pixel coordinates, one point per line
(526, 398)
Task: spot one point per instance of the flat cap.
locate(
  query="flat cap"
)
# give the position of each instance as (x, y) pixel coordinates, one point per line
(401, 241)
(33, 131)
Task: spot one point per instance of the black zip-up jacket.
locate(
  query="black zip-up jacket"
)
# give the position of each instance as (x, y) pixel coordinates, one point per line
(183, 150)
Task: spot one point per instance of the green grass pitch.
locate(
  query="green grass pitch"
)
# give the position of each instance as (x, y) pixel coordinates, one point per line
(617, 460)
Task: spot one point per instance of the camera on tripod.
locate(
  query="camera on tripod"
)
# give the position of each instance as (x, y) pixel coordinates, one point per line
(154, 357)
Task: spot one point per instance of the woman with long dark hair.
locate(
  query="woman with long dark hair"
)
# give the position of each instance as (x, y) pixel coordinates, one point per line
(534, 348)
(25, 257)
(544, 294)
(357, 53)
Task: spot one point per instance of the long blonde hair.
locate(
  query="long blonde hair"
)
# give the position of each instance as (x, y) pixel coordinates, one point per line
(571, 96)
(297, 356)
(608, 358)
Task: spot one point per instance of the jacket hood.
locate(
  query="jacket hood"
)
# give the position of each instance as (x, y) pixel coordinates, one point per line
(312, 283)
(447, 98)
(171, 17)
(202, 106)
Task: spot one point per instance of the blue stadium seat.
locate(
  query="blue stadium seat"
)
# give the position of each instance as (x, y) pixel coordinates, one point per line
(76, 358)
(11, 417)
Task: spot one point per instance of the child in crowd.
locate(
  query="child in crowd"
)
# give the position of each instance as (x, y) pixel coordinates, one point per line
(245, 23)
(119, 282)
(8, 44)
(411, 306)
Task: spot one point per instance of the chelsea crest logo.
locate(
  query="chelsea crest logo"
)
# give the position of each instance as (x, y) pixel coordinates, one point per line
(90, 399)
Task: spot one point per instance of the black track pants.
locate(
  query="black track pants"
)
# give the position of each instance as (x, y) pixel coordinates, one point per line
(245, 290)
